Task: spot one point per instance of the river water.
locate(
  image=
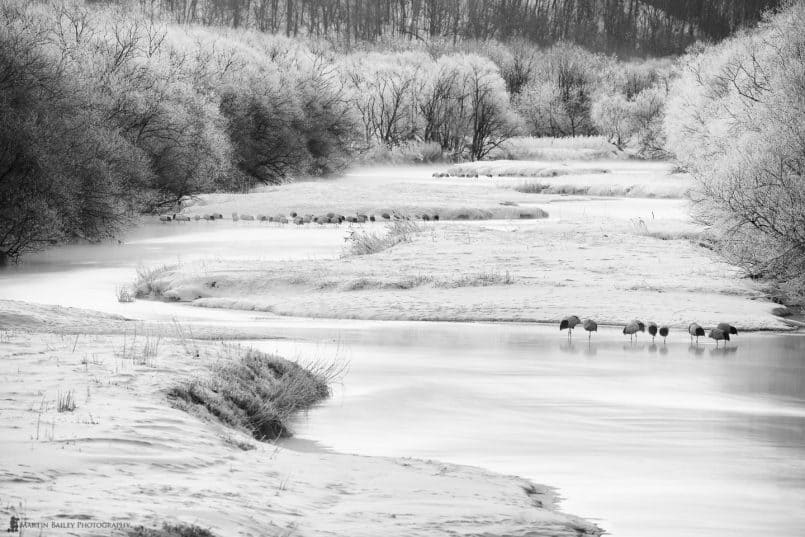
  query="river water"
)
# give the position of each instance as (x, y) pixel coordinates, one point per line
(645, 439)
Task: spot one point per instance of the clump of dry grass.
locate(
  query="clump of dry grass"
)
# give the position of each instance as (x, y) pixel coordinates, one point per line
(243, 445)
(257, 392)
(408, 282)
(142, 348)
(124, 294)
(483, 278)
(65, 401)
(641, 227)
(692, 236)
(360, 284)
(530, 187)
(147, 284)
(405, 282)
(398, 230)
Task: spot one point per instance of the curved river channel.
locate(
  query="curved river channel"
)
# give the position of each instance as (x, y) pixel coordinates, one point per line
(646, 440)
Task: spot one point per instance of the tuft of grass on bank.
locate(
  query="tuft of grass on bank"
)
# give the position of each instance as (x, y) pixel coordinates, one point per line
(65, 401)
(256, 392)
(147, 282)
(124, 294)
(483, 278)
(363, 242)
(170, 530)
(597, 188)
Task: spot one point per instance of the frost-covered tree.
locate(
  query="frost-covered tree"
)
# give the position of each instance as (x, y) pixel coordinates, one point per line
(386, 90)
(490, 121)
(736, 119)
(64, 173)
(558, 99)
(465, 107)
(639, 119)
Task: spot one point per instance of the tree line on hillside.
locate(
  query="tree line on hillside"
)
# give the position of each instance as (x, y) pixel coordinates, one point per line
(108, 113)
(626, 27)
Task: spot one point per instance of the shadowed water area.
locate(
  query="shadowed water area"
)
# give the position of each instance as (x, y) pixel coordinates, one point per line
(645, 439)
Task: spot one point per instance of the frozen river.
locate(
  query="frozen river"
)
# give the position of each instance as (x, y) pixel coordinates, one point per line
(647, 440)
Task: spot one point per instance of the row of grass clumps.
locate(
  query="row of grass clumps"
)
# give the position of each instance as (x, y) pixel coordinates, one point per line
(483, 278)
(256, 392)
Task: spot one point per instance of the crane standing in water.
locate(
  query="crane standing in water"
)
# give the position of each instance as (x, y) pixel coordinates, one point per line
(652, 330)
(719, 335)
(570, 323)
(633, 328)
(695, 331)
(591, 326)
(727, 328)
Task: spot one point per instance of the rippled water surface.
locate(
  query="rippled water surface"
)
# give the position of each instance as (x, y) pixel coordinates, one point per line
(646, 439)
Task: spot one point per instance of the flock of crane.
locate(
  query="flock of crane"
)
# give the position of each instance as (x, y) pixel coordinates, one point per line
(721, 332)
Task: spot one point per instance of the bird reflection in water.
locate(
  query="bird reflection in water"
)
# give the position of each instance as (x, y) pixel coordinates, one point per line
(723, 351)
(633, 347)
(695, 350)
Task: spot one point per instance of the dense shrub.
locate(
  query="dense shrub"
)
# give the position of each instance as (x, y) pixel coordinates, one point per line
(256, 392)
(736, 120)
(64, 172)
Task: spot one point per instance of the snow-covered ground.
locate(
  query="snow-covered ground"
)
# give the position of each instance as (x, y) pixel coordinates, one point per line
(608, 257)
